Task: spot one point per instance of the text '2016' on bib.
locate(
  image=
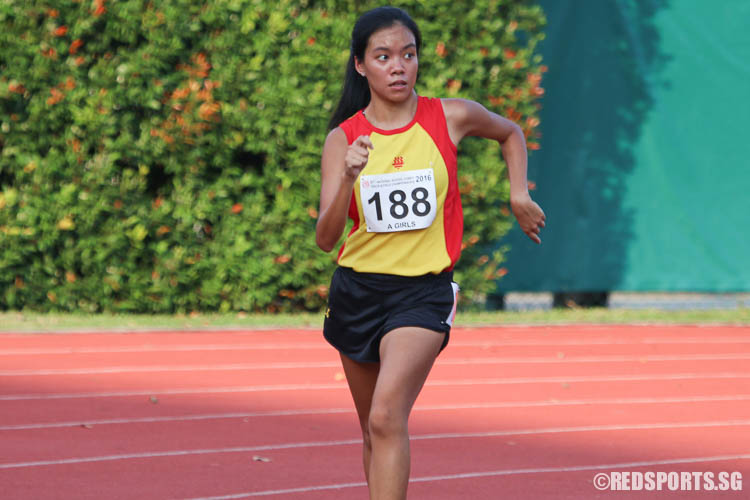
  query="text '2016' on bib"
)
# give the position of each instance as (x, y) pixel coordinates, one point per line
(400, 201)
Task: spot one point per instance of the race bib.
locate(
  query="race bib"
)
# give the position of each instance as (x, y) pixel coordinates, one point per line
(400, 201)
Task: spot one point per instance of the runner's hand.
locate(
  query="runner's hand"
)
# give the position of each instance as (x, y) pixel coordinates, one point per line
(356, 156)
(529, 215)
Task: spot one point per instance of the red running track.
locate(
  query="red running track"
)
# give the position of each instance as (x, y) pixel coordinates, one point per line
(508, 412)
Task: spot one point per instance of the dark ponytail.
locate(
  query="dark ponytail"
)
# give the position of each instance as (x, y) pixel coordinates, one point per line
(356, 92)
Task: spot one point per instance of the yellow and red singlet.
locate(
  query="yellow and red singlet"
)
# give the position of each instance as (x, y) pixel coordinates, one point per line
(406, 206)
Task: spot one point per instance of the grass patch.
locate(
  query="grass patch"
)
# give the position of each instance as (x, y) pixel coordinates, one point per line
(37, 322)
(740, 316)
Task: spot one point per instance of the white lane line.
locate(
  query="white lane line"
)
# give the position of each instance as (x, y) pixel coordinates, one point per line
(324, 346)
(287, 491)
(560, 359)
(322, 444)
(559, 379)
(162, 392)
(164, 348)
(496, 473)
(333, 411)
(177, 453)
(168, 368)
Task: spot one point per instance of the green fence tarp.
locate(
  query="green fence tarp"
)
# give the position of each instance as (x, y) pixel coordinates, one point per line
(644, 171)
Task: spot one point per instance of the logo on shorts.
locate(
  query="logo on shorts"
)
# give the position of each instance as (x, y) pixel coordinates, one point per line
(398, 161)
(328, 312)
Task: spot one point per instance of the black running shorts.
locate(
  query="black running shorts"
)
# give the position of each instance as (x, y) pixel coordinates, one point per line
(363, 307)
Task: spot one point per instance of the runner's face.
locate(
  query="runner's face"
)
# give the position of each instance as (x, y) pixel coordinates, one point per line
(390, 63)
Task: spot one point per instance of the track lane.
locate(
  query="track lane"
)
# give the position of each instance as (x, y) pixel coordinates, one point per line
(620, 385)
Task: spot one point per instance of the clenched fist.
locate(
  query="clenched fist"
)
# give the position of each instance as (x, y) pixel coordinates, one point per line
(356, 156)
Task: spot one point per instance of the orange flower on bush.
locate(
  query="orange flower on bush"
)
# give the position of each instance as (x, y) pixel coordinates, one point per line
(181, 93)
(99, 8)
(61, 31)
(17, 88)
(496, 101)
(200, 67)
(237, 208)
(282, 259)
(207, 110)
(453, 85)
(470, 242)
(57, 96)
(77, 43)
(512, 114)
(440, 49)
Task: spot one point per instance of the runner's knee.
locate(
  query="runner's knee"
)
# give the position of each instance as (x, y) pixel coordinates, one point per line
(384, 422)
(366, 437)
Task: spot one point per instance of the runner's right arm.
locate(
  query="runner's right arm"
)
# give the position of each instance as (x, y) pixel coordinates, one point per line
(340, 165)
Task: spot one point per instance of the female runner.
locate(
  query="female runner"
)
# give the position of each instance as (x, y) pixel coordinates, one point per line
(389, 163)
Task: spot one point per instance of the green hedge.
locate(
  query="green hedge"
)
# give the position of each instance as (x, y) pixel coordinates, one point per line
(164, 156)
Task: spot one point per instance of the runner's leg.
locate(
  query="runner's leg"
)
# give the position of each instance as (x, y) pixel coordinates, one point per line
(361, 378)
(406, 358)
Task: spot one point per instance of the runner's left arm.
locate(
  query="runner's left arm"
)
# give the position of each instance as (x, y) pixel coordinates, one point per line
(469, 118)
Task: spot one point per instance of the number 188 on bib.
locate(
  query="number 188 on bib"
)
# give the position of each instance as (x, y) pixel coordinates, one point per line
(401, 201)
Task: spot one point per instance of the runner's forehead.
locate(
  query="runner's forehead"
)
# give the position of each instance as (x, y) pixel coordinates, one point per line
(394, 38)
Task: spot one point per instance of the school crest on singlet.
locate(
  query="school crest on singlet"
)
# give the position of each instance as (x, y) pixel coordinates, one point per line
(405, 205)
